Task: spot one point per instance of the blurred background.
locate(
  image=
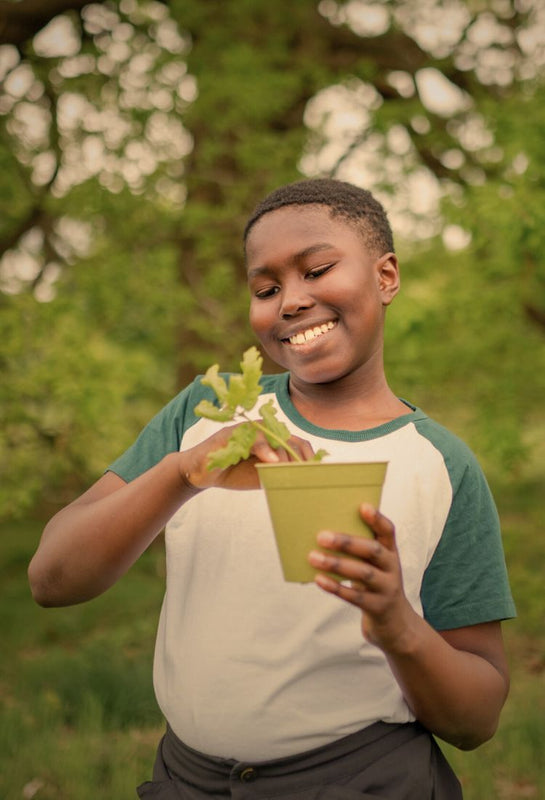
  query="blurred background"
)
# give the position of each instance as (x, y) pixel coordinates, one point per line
(135, 139)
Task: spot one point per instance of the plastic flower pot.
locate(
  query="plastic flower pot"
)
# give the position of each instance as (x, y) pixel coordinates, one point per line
(305, 498)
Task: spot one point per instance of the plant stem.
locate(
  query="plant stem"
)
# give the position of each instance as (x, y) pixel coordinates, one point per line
(271, 435)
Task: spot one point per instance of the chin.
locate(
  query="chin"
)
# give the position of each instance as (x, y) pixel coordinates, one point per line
(316, 377)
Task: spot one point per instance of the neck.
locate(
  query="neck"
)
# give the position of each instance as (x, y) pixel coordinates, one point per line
(345, 404)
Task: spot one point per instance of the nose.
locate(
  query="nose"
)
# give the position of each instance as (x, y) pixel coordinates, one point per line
(295, 298)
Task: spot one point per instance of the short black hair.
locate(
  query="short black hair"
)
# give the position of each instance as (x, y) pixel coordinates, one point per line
(352, 203)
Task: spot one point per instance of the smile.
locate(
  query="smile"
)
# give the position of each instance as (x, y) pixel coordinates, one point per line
(301, 337)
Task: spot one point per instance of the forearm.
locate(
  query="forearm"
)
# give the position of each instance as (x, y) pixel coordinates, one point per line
(456, 694)
(88, 545)
(455, 681)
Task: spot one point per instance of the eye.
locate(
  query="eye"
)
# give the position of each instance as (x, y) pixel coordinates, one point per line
(318, 272)
(263, 294)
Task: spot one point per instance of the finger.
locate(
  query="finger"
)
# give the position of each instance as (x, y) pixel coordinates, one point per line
(382, 527)
(351, 593)
(360, 574)
(361, 547)
(304, 448)
(262, 450)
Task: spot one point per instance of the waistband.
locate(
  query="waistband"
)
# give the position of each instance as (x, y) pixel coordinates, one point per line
(343, 757)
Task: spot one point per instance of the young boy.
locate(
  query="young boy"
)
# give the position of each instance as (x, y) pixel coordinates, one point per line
(330, 689)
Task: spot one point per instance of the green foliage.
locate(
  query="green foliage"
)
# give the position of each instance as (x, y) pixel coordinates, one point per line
(478, 313)
(162, 132)
(71, 398)
(274, 430)
(460, 345)
(243, 389)
(237, 449)
(78, 718)
(236, 398)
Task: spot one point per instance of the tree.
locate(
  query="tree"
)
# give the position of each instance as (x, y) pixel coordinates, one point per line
(21, 21)
(137, 137)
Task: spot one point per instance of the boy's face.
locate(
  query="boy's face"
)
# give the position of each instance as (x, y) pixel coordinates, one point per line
(317, 294)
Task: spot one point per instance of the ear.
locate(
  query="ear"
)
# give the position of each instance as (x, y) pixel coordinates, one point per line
(389, 281)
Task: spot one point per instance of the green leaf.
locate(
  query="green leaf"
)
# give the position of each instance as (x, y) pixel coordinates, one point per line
(207, 409)
(216, 382)
(251, 366)
(319, 455)
(238, 393)
(242, 391)
(276, 433)
(237, 449)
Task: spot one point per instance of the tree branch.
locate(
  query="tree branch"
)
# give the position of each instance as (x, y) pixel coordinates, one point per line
(535, 315)
(30, 220)
(20, 21)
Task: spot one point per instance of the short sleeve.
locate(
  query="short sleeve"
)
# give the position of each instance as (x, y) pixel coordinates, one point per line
(162, 435)
(466, 580)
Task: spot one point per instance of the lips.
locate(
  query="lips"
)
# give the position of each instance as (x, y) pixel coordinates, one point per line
(308, 334)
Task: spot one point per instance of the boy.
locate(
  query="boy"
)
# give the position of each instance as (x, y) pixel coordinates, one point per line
(270, 688)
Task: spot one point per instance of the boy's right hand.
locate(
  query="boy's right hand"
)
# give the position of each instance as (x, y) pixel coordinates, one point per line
(194, 462)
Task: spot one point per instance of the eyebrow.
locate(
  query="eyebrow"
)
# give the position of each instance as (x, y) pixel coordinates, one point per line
(297, 258)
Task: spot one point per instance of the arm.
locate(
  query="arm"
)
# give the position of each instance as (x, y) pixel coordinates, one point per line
(89, 544)
(455, 682)
(92, 542)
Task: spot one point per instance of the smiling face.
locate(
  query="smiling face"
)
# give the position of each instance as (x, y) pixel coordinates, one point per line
(318, 294)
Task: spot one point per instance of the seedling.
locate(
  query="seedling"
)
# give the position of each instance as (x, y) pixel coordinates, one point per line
(235, 399)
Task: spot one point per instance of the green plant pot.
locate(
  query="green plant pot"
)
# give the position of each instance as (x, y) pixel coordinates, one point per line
(305, 498)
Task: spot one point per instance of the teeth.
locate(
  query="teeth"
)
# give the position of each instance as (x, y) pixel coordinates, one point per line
(311, 333)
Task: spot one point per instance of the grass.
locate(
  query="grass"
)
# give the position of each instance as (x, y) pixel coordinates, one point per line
(79, 720)
(511, 766)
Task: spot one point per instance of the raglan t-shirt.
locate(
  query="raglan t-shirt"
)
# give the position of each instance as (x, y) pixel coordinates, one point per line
(248, 666)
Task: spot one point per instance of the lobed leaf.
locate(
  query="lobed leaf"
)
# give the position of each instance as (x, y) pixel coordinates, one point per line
(242, 394)
(251, 366)
(216, 382)
(207, 409)
(238, 393)
(276, 433)
(237, 449)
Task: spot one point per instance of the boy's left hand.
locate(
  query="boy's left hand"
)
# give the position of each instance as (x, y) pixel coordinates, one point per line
(454, 681)
(370, 578)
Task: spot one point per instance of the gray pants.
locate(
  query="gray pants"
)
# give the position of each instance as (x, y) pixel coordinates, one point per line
(399, 762)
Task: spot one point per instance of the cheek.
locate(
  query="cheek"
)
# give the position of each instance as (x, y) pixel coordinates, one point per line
(258, 319)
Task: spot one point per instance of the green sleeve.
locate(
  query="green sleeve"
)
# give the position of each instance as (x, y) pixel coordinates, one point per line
(466, 581)
(162, 435)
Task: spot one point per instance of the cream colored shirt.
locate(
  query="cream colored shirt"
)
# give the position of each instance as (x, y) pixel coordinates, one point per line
(250, 667)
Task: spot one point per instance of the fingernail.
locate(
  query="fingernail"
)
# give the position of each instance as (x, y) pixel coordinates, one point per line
(316, 558)
(326, 583)
(326, 538)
